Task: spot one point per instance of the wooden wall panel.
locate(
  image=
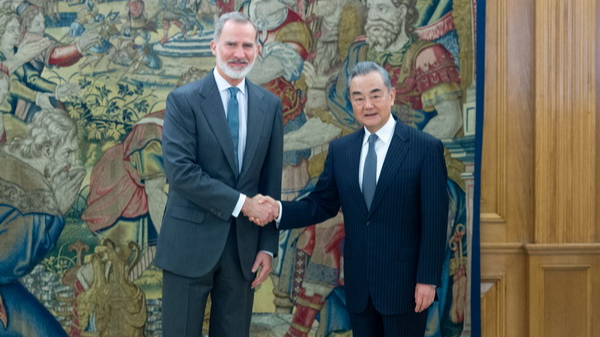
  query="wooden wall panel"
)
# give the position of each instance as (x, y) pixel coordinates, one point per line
(597, 81)
(504, 311)
(493, 199)
(563, 296)
(540, 192)
(566, 296)
(565, 143)
(507, 172)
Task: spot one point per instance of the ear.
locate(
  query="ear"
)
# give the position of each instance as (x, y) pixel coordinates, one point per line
(213, 48)
(403, 10)
(47, 151)
(393, 95)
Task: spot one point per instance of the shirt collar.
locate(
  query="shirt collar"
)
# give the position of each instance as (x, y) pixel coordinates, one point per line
(385, 133)
(223, 85)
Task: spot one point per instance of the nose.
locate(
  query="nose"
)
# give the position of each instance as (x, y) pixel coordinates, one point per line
(369, 104)
(239, 53)
(71, 158)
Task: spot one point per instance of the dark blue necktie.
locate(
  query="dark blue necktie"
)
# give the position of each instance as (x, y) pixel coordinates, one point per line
(233, 120)
(370, 172)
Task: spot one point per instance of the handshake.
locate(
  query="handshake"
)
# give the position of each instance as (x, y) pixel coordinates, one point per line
(261, 209)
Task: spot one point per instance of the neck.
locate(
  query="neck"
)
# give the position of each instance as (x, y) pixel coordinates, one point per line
(232, 81)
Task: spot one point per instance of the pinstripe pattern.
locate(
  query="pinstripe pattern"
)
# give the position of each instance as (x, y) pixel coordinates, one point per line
(401, 241)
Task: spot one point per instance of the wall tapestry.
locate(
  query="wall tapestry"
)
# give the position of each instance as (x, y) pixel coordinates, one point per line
(80, 216)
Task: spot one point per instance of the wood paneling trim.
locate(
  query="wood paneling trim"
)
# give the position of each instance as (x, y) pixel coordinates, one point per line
(562, 249)
(492, 218)
(494, 190)
(493, 306)
(565, 195)
(501, 248)
(596, 29)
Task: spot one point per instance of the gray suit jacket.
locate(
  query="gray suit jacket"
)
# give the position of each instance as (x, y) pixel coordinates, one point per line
(204, 185)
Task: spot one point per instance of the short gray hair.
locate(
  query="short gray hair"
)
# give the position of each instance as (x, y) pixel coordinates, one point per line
(50, 127)
(367, 67)
(235, 17)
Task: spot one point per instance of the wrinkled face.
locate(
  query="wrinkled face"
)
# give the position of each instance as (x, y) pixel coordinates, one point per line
(12, 34)
(37, 24)
(235, 51)
(3, 88)
(371, 100)
(64, 158)
(384, 21)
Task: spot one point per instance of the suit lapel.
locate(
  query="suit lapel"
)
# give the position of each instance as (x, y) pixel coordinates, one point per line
(255, 123)
(394, 157)
(353, 156)
(214, 112)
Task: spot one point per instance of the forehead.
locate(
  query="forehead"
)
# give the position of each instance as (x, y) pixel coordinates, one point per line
(366, 83)
(70, 144)
(238, 30)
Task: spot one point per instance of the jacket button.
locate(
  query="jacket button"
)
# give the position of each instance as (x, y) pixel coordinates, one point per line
(368, 223)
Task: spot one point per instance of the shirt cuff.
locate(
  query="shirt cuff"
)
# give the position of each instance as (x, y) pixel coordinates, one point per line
(267, 252)
(239, 205)
(278, 219)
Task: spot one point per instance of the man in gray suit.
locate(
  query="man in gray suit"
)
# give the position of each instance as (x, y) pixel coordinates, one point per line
(222, 145)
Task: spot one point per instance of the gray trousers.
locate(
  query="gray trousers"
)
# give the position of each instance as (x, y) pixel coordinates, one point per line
(184, 299)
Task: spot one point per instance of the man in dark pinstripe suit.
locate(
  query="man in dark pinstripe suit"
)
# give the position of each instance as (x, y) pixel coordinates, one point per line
(395, 234)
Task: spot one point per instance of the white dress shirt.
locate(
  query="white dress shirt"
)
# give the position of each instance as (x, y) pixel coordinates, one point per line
(242, 98)
(381, 148)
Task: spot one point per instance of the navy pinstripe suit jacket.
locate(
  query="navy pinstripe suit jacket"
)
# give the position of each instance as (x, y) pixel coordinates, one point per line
(398, 243)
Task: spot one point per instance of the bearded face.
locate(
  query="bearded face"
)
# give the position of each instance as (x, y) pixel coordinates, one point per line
(384, 24)
(56, 172)
(381, 34)
(236, 50)
(61, 161)
(242, 68)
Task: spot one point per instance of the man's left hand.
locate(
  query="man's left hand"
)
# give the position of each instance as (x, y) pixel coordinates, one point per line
(424, 296)
(263, 264)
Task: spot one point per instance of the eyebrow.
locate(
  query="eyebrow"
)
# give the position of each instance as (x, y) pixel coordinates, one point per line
(372, 91)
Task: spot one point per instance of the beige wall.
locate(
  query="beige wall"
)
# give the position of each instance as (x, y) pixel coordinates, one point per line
(540, 220)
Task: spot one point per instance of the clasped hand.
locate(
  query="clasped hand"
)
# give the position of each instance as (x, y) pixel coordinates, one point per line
(261, 209)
